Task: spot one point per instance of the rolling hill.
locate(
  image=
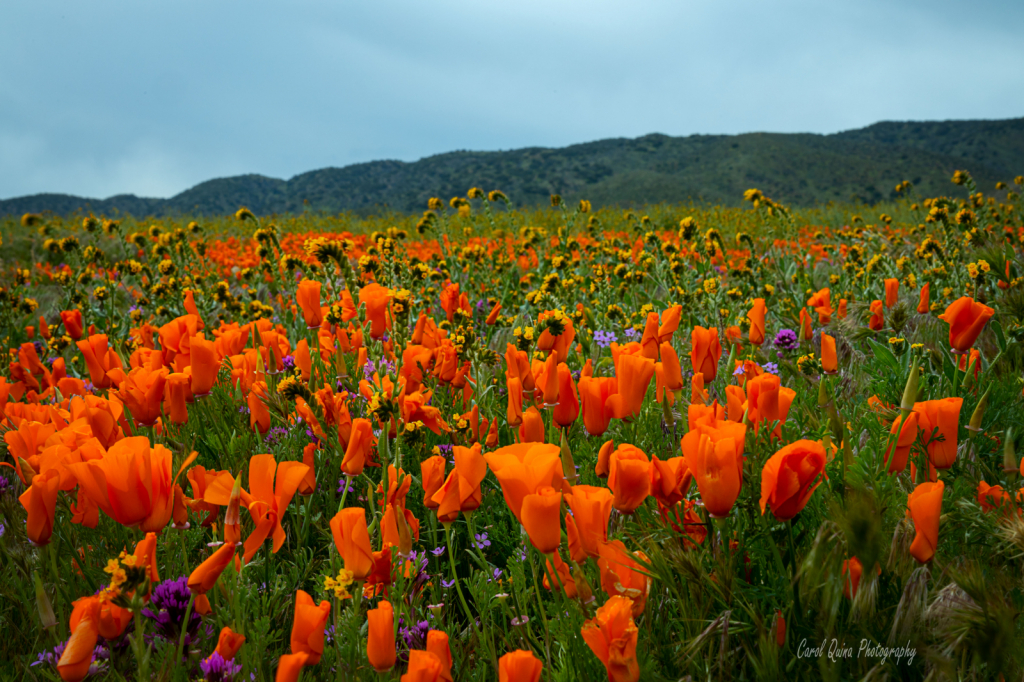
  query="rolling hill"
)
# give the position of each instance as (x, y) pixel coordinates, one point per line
(861, 165)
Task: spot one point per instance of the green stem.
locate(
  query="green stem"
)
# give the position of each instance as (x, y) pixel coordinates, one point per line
(462, 598)
(798, 611)
(543, 614)
(184, 629)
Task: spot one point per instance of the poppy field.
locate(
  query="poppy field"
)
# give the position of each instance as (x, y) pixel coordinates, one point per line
(491, 443)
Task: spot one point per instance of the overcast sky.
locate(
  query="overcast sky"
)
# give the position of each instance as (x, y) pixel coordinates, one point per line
(104, 97)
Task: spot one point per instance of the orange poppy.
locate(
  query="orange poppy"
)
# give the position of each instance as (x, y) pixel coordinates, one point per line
(74, 662)
(352, 539)
(519, 666)
(892, 291)
(567, 410)
(924, 505)
(308, 297)
(432, 476)
(289, 667)
(540, 514)
(40, 503)
(829, 362)
(922, 303)
(380, 644)
(142, 393)
(205, 575)
(271, 487)
(437, 644)
(594, 394)
(461, 491)
(629, 477)
(877, 320)
(717, 469)
(705, 352)
(591, 508)
(612, 636)
(790, 476)
(360, 447)
(308, 627)
(633, 373)
(756, 317)
(228, 643)
(623, 575)
(966, 318)
(72, 320)
(424, 666)
(524, 469)
(377, 298)
(943, 415)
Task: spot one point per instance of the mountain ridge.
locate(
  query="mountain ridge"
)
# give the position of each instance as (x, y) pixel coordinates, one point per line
(861, 165)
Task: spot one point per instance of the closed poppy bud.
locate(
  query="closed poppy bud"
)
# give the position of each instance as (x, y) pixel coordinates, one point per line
(228, 643)
(829, 362)
(289, 667)
(205, 575)
(780, 629)
(519, 666)
(892, 292)
(432, 475)
(376, 299)
(717, 468)
(854, 569)
(308, 627)
(924, 505)
(492, 316)
(629, 477)
(514, 414)
(540, 514)
(380, 645)
(943, 415)
(74, 662)
(568, 408)
(532, 428)
(877, 320)
(492, 433)
(40, 502)
(308, 298)
(706, 351)
(612, 636)
(72, 320)
(790, 476)
(922, 304)
(756, 316)
(841, 312)
(352, 539)
(437, 644)
(424, 666)
(806, 331)
(360, 446)
(649, 341)
(259, 414)
(966, 318)
(308, 485)
(591, 508)
(178, 390)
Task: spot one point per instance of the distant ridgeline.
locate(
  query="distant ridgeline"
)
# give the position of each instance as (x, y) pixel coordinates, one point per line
(861, 165)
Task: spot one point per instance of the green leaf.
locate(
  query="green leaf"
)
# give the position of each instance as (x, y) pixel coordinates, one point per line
(948, 368)
(884, 355)
(1000, 339)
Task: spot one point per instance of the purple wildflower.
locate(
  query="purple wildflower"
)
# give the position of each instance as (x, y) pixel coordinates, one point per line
(216, 669)
(786, 340)
(446, 584)
(167, 609)
(438, 551)
(481, 541)
(604, 339)
(771, 368)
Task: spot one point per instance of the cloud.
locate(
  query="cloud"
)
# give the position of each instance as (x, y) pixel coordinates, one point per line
(113, 97)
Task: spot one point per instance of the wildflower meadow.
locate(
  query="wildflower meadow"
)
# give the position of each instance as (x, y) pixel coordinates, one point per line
(484, 442)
